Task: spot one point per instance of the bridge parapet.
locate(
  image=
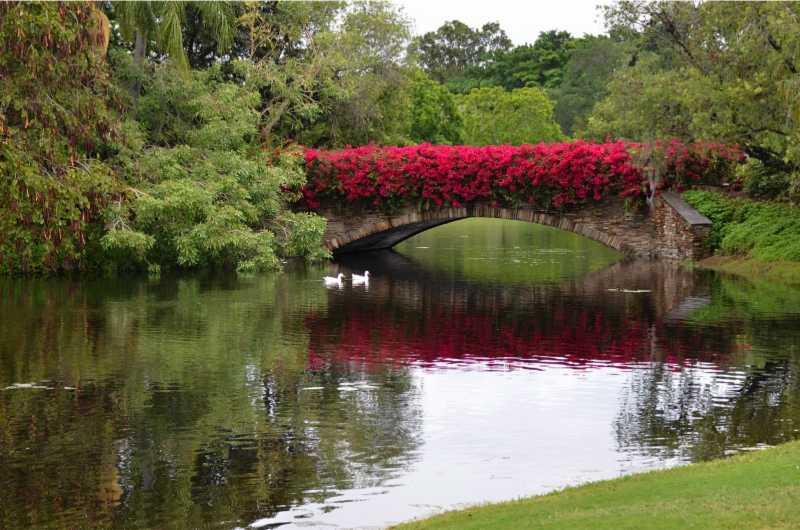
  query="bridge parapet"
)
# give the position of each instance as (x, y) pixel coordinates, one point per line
(672, 230)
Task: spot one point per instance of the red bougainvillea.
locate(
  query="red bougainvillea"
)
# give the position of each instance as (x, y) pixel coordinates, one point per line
(554, 175)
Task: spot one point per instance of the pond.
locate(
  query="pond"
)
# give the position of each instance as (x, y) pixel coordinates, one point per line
(483, 361)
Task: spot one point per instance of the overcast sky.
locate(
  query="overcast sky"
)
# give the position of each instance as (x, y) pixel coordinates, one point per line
(521, 20)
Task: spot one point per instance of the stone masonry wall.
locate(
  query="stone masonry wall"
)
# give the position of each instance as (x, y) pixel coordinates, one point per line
(682, 231)
(663, 232)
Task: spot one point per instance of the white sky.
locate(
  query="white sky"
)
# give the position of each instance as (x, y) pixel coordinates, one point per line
(521, 20)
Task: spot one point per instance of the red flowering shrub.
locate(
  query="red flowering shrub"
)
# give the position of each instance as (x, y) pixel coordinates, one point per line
(554, 175)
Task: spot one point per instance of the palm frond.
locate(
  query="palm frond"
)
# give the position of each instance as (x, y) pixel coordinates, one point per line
(169, 35)
(134, 15)
(219, 18)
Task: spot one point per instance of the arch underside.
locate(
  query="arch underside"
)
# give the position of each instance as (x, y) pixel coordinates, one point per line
(387, 233)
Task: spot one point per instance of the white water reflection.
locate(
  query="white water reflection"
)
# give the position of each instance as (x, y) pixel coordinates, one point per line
(492, 435)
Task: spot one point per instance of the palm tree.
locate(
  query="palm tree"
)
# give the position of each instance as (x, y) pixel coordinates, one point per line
(161, 22)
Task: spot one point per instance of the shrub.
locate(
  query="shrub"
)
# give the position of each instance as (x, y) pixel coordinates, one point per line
(554, 175)
(763, 230)
(763, 182)
(199, 190)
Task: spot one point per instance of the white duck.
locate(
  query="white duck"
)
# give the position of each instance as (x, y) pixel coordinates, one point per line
(360, 279)
(331, 280)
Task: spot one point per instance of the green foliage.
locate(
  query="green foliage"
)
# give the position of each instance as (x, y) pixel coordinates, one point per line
(642, 104)
(764, 230)
(764, 182)
(493, 116)
(54, 88)
(541, 64)
(435, 117)
(198, 196)
(339, 85)
(372, 75)
(288, 54)
(585, 78)
(464, 85)
(163, 22)
(289, 27)
(708, 70)
(451, 50)
(719, 210)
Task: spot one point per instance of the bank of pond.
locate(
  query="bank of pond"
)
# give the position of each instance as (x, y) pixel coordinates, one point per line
(755, 239)
(758, 489)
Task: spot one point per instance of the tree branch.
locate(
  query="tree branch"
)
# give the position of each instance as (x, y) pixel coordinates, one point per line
(769, 158)
(777, 47)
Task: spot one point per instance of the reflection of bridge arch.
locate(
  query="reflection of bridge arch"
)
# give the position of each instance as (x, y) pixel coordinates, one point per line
(414, 314)
(672, 229)
(668, 287)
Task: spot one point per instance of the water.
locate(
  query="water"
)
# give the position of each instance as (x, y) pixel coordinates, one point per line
(505, 359)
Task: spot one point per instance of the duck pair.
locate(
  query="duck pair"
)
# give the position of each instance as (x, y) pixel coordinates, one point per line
(330, 280)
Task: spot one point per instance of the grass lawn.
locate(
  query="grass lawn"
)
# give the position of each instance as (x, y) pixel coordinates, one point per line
(755, 490)
(754, 268)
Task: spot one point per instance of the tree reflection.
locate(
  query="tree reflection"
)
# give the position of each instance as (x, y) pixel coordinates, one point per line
(702, 413)
(190, 405)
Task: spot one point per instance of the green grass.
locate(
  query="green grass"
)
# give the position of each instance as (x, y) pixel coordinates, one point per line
(766, 231)
(753, 239)
(750, 491)
(753, 268)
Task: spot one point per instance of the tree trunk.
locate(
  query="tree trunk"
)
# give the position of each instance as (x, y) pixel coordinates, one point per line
(653, 180)
(139, 49)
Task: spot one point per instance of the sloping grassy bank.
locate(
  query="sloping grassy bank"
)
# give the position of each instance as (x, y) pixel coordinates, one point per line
(749, 491)
(783, 271)
(757, 239)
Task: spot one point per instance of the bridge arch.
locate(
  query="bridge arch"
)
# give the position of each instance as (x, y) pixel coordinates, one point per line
(672, 230)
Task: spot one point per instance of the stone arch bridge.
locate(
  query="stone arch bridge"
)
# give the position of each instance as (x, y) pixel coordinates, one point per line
(671, 230)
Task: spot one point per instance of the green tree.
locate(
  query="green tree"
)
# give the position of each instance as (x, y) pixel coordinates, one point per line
(716, 70)
(197, 194)
(54, 91)
(293, 86)
(449, 51)
(435, 117)
(643, 103)
(162, 23)
(464, 85)
(373, 76)
(541, 64)
(344, 81)
(524, 116)
(586, 77)
(290, 28)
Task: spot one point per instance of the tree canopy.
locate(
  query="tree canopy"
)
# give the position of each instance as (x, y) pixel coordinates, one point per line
(55, 112)
(585, 78)
(435, 117)
(523, 116)
(450, 51)
(711, 70)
